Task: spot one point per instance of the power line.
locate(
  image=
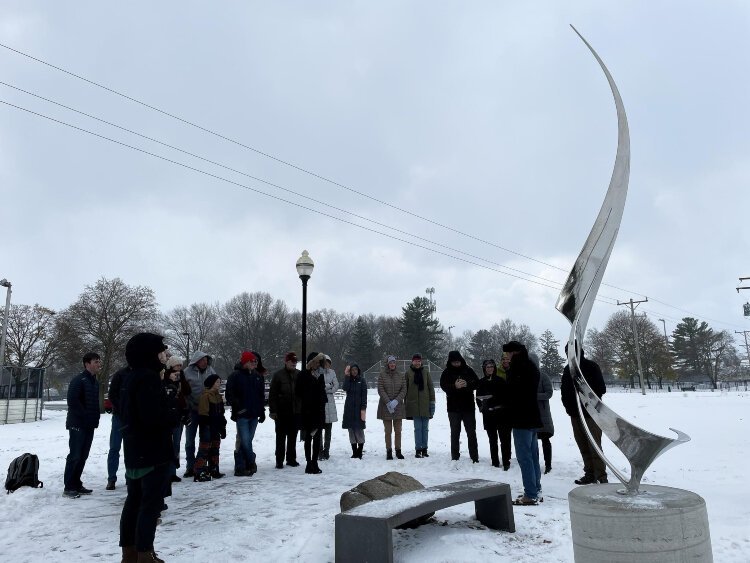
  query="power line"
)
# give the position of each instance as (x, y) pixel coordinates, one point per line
(277, 186)
(411, 213)
(278, 198)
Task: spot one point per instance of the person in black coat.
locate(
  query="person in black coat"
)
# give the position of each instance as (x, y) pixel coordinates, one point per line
(81, 421)
(115, 433)
(594, 468)
(312, 394)
(458, 381)
(523, 381)
(492, 402)
(147, 423)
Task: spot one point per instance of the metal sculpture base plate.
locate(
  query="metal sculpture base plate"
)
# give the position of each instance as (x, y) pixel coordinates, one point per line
(659, 525)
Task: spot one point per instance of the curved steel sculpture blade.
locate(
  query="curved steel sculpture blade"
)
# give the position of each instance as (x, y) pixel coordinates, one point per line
(639, 446)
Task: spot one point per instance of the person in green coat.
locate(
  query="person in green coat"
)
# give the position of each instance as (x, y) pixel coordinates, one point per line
(419, 402)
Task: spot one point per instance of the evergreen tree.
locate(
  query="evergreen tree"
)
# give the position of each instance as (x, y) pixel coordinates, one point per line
(690, 343)
(420, 331)
(363, 347)
(550, 362)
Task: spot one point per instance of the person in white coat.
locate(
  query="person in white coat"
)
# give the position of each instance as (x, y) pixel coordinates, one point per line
(331, 385)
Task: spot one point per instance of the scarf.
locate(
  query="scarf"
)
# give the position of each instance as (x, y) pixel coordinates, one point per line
(418, 378)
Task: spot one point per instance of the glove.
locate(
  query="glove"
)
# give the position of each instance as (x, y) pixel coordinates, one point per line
(262, 418)
(392, 405)
(223, 433)
(272, 415)
(432, 409)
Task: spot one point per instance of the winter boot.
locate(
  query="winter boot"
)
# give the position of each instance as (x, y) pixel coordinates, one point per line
(189, 473)
(388, 454)
(586, 480)
(148, 557)
(216, 474)
(399, 455)
(201, 477)
(312, 468)
(129, 554)
(355, 451)
(110, 485)
(359, 450)
(419, 453)
(547, 469)
(424, 452)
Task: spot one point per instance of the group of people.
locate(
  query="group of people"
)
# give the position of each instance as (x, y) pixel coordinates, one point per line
(154, 397)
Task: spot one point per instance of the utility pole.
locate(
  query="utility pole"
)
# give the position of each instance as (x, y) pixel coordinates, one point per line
(633, 305)
(666, 345)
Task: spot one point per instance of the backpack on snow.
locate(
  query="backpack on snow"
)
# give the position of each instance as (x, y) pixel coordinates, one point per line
(23, 472)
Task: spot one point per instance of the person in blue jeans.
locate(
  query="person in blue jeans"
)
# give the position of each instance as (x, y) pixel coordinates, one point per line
(419, 402)
(112, 404)
(245, 392)
(196, 373)
(523, 382)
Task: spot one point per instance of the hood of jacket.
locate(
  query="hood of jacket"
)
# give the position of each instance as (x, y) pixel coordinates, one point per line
(197, 355)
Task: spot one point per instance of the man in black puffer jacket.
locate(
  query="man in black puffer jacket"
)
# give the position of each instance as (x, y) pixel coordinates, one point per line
(82, 419)
(458, 381)
(594, 469)
(147, 423)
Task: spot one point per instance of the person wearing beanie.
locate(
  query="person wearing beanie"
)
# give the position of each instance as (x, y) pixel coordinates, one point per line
(178, 390)
(458, 381)
(392, 391)
(355, 409)
(492, 401)
(284, 408)
(331, 386)
(147, 423)
(196, 373)
(213, 429)
(245, 393)
(419, 402)
(523, 383)
(312, 395)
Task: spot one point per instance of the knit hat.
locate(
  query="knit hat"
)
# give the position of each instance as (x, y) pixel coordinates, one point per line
(416, 356)
(247, 357)
(290, 357)
(391, 358)
(513, 346)
(210, 380)
(142, 351)
(174, 363)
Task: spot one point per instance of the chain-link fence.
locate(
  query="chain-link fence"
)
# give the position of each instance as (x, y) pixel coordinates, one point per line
(371, 375)
(21, 394)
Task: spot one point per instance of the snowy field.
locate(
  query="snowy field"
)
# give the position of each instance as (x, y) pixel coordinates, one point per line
(285, 515)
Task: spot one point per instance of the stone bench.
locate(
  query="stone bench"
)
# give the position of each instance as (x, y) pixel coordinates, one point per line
(364, 533)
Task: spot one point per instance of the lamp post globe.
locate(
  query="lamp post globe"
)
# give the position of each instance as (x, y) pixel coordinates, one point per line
(305, 267)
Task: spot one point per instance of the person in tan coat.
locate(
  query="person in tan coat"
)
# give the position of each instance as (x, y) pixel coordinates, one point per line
(392, 390)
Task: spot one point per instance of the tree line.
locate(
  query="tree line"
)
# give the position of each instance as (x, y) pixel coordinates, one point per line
(106, 314)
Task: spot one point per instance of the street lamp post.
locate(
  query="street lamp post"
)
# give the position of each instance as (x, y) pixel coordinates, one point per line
(6, 284)
(187, 347)
(305, 267)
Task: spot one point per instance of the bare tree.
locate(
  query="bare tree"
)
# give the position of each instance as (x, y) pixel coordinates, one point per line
(30, 340)
(103, 318)
(330, 332)
(192, 328)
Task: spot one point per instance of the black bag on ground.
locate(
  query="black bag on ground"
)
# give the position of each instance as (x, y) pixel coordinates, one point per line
(23, 472)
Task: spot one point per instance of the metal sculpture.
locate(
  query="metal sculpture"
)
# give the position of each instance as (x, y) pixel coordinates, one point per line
(639, 446)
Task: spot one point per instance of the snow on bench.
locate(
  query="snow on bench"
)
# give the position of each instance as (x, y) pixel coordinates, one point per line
(364, 533)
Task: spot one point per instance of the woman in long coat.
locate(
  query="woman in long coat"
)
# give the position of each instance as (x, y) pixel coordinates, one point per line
(311, 392)
(355, 409)
(392, 390)
(331, 385)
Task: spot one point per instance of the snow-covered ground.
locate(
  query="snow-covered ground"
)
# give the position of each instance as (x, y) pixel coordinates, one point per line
(285, 515)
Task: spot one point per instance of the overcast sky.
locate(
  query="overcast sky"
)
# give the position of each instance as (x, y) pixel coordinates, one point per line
(491, 118)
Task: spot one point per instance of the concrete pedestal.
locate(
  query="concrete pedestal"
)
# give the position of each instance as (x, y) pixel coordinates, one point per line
(659, 525)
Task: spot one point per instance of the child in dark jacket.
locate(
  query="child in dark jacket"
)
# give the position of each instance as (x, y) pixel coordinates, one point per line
(213, 427)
